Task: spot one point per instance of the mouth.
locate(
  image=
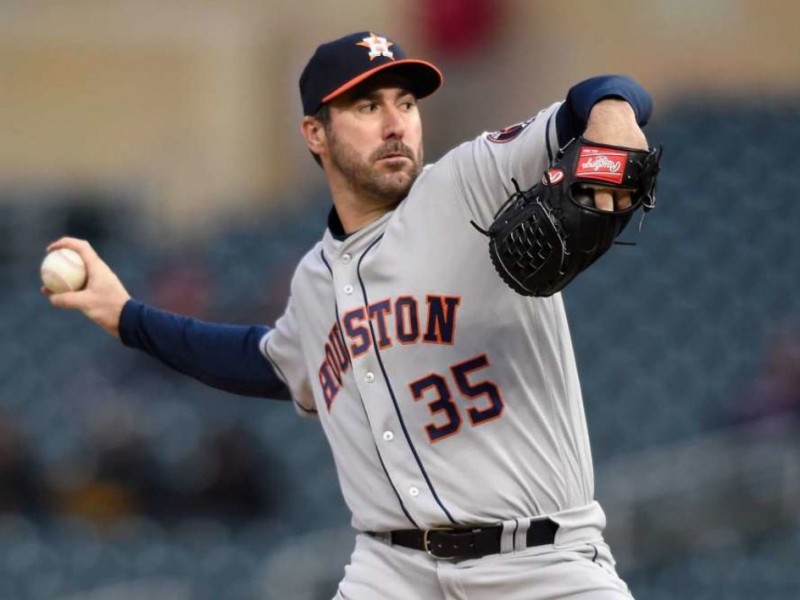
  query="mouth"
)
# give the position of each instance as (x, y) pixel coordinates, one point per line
(395, 156)
(394, 150)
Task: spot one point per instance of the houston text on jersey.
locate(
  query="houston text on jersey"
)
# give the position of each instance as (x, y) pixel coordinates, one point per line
(404, 319)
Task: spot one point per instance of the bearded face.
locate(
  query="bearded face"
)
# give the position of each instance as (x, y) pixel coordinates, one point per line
(387, 173)
(373, 140)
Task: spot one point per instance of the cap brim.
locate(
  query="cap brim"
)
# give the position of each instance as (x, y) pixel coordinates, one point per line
(424, 77)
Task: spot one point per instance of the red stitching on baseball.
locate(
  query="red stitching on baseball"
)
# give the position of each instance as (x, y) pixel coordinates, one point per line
(51, 273)
(69, 258)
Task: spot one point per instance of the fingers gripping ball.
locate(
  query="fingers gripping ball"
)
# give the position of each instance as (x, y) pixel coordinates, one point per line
(63, 270)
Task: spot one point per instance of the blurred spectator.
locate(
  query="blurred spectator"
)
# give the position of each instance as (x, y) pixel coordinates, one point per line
(224, 476)
(276, 288)
(459, 28)
(183, 285)
(124, 479)
(771, 404)
(228, 478)
(21, 486)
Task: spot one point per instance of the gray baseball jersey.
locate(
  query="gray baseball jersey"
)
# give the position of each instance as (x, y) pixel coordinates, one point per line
(446, 397)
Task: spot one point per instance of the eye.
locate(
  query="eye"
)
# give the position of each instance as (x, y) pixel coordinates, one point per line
(408, 104)
(367, 107)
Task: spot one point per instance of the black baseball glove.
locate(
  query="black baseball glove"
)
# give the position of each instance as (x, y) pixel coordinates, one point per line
(542, 238)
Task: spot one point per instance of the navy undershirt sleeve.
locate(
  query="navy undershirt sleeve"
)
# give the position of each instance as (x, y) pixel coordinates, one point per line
(226, 357)
(574, 112)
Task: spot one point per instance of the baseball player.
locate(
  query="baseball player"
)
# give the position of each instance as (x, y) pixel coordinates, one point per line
(451, 403)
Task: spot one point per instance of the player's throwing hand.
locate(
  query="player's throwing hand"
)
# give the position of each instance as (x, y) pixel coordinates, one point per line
(103, 297)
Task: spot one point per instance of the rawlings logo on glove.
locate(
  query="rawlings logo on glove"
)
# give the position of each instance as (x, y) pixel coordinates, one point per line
(601, 164)
(542, 238)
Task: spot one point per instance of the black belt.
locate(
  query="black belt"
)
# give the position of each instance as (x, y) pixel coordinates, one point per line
(469, 543)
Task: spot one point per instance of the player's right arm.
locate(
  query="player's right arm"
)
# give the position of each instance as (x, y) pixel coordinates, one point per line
(227, 357)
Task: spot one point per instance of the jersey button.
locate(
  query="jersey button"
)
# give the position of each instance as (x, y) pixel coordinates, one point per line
(346, 258)
(388, 436)
(413, 491)
(369, 377)
(348, 289)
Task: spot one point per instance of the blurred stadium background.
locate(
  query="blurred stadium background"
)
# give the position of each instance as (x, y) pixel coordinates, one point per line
(166, 133)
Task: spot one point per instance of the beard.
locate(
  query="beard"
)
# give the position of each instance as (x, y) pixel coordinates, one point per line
(388, 182)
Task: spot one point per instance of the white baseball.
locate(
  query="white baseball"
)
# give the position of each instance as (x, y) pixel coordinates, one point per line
(63, 270)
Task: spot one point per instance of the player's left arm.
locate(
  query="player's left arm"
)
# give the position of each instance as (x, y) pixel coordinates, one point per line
(611, 110)
(576, 115)
(546, 235)
(612, 107)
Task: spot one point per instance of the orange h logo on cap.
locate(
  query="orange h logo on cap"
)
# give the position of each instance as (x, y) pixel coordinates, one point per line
(378, 46)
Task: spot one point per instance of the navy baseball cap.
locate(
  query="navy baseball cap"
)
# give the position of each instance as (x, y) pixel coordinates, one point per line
(342, 64)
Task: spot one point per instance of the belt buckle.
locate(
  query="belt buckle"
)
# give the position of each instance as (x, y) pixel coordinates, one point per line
(427, 544)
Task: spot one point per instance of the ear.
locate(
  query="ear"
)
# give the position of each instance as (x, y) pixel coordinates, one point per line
(313, 132)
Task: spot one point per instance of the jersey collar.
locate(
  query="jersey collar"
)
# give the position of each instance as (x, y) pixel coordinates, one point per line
(335, 226)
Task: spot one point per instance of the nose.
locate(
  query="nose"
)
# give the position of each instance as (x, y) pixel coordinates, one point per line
(393, 123)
